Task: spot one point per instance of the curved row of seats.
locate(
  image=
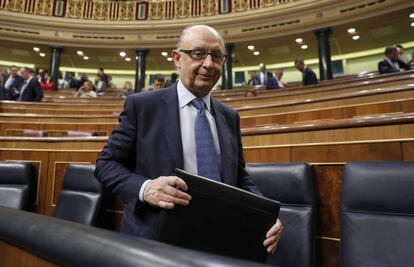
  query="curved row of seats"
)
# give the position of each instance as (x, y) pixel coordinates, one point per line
(377, 215)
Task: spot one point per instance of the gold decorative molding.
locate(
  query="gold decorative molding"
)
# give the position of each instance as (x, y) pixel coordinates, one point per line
(131, 24)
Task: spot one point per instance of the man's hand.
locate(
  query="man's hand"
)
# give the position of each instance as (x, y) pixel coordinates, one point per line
(273, 237)
(166, 191)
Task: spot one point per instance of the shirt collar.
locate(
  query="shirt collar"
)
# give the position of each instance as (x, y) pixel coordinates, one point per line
(28, 80)
(185, 96)
(389, 61)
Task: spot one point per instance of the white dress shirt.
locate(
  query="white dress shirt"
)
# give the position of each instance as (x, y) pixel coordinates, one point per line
(9, 82)
(281, 84)
(263, 78)
(188, 113)
(395, 65)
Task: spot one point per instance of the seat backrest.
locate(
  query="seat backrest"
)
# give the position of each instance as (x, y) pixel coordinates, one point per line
(292, 185)
(17, 184)
(33, 133)
(80, 199)
(73, 133)
(377, 214)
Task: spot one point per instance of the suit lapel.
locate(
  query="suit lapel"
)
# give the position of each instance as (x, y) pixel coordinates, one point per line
(170, 122)
(225, 140)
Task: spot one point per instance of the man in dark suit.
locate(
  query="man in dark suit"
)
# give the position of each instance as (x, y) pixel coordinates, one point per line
(160, 131)
(391, 63)
(3, 92)
(12, 82)
(265, 78)
(308, 75)
(30, 89)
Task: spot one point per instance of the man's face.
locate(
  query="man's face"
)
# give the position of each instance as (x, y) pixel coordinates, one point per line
(157, 84)
(400, 51)
(199, 76)
(279, 75)
(24, 74)
(13, 71)
(300, 66)
(393, 56)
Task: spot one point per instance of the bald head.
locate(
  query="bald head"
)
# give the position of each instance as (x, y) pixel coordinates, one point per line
(189, 31)
(199, 58)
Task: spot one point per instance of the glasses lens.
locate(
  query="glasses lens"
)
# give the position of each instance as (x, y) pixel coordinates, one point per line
(198, 54)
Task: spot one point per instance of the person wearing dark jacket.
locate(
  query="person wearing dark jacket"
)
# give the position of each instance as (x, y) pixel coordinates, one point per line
(182, 126)
(30, 89)
(391, 63)
(308, 75)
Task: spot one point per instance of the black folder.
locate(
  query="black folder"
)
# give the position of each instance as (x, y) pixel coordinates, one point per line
(220, 219)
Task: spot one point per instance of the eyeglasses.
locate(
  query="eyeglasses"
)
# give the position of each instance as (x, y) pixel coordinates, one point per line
(201, 54)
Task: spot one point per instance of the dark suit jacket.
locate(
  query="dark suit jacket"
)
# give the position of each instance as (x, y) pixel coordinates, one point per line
(385, 67)
(309, 77)
(147, 144)
(269, 75)
(17, 83)
(3, 93)
(33, 92)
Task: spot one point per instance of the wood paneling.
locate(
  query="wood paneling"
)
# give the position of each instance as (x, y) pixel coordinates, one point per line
(408, 150)
(343, 152)
(328, 182)
(366, 97)
(280, 154)
(11, 255)
(327, 252)
(403, 130)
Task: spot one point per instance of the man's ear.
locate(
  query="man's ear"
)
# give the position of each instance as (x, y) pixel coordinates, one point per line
(176, 56)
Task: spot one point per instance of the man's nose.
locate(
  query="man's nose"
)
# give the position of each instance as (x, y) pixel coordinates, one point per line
(208, 61)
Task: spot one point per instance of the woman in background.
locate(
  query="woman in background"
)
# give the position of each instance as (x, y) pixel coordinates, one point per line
(86, 90)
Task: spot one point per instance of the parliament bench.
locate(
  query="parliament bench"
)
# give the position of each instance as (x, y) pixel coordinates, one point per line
(360, 97)
(51, 157)
(371, 127)
(404, 105)
(316, 93)
(222, 94)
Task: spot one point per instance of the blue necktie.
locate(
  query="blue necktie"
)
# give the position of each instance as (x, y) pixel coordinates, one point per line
(207, 159)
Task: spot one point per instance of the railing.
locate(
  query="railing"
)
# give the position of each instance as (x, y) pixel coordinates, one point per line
(135, 10)
(72, 244)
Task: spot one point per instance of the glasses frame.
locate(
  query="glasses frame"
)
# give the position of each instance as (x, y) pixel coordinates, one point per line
(189, 52)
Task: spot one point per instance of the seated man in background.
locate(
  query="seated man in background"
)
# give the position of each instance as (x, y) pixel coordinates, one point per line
(308, 75)
(62, 83)
(391, 63)
(253, 79)
(266, 78)
(173, 80)
(182, 126)
(157, 83)
(73, 82)
(278, 77)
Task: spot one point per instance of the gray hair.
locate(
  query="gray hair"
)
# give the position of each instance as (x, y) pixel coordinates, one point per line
(299, 61)
(188, 30)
